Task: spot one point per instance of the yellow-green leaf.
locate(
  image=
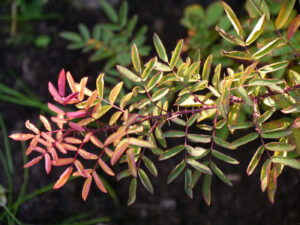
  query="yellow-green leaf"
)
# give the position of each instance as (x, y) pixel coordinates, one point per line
(257, 30)
(229, 37)
(173, 134)
(266, 49)
(171, 152)
(294, 163)
(159, 94)
(207, 67)
(132, 192)
(201, 138)
(284, 13)
(199, 166)
(100, 85)
(128, 74)
(220, 174)
(188, 182)
(154, 80)
(149, 68)
(244, 140)
(131, 162)
(176, 171)
(176, 54)
(233, 19)
(135, 58)
(115, 92)
(140, 143)
(206, 189)
(145, 180)
(223, 157)
(150, 165)
(160, 48)
(280, 146)
(255, 159)
(242, 91)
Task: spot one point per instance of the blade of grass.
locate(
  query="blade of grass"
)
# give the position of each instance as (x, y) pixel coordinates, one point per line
(15, 219)
(6, 145)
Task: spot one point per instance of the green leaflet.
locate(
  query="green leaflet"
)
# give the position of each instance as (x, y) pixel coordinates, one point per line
(176, 171)
(159, 94)
(84, 31)
(109, 11)
(128, 74)
(187, 183)
(265, 174)
(198, 152)
(201, 138)
(123, 13)
(236, 55)
(135, 58)
(284, 13)
(295, 108)
(115, 92)
(273, 67)
(160, 138)
(161, 51)
(220, 174)
(279, 146)
(132, 192)
(149, 68)
(223, 157)
(223, 143)
(294, 163)
(71, 36)
(257, 30)
(242, 91)
(176, 53)
(140, 143)
(266, 49)
(171, 152)
(233, 19)
(277, 134)
(207, 67)
(150, 165)
(229, 37)
(154, 80)
(255, 160)
(264, 82)
(206, 189)
(244, 140)
(100, 85)
(145, 180)
(173, 133)
(199, 166)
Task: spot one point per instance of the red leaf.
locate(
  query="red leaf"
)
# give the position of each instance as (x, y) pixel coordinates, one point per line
(80, 168)
(55, 109)
(47, 163)
(75, 126)
(96, 142)
(71, 82)
(72, 98)
(63, 178)
(76, 114)
(87, 155)
(38, 149)
(69, 147)
(293, 27)
(47, 137)
(98, 182)
(86, 188)
(53, 153)
(54, 93)
(73, 140)
(33, 161)
(21, 137)
(60, 147)
(62, 83)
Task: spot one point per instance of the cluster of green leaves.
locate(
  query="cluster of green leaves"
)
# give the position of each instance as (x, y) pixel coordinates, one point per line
(110, 41)
(204, 25)
(172, 90)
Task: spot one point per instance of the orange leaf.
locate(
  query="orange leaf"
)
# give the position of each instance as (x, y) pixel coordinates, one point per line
(38, 149)
(62, 161)
(69, 147)
(96, 141)
(32, 144)
(118, 152)
(47, 163)
(21, 137)
(46, 123)
(86, 188)
(32, 127)
(47, 137)
(80, 168)
(63, 178)
(60, 148)
(87, 155)
(91, 100)
(82, 87)
(71, 82)
(73, 140)
(108, 152)
(106, 168)
(87, 172)
(33, 161)
(43, 142)
(53, 153)
(98, 182)
(115, 136)
(87, 137)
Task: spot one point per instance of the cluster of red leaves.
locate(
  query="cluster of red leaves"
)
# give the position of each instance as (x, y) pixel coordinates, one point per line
(56, 145)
